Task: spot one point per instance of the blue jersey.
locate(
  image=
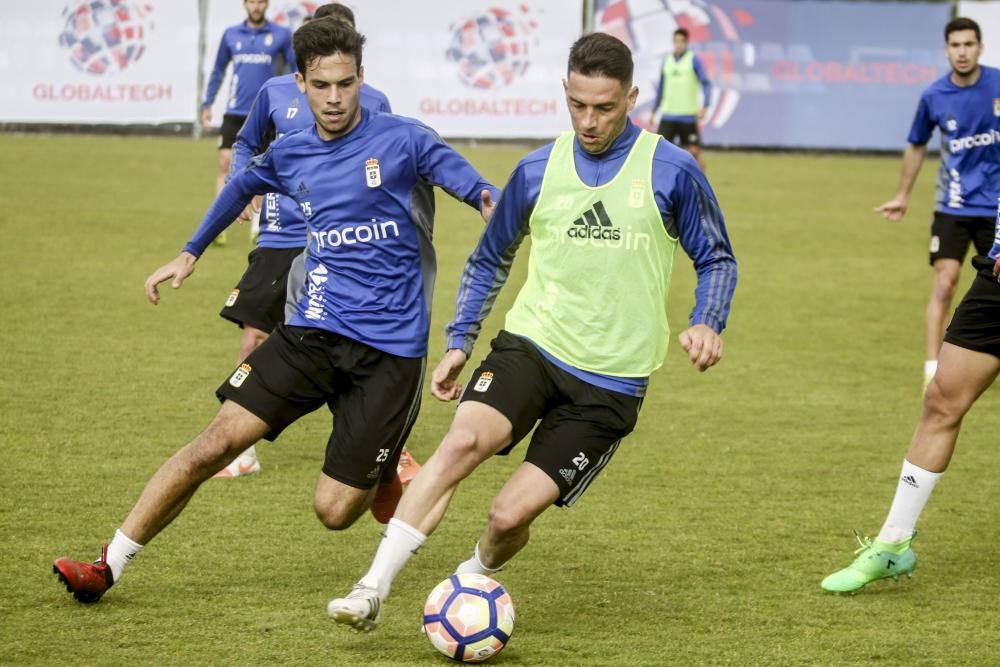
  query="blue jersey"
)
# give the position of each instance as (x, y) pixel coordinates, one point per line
(257, 55)
(995, 250)
(687, 206)
(968, 181)
(370, 264)
(279, 109)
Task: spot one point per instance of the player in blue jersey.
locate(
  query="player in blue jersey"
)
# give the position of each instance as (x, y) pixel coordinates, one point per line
(257, 302)
(963, 106)
(359, 338)
(682, 96)
(258, 50)
(606, 205)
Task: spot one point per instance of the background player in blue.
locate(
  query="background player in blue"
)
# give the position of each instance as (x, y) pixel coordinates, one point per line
(682, 95)
(257, 302)
(968, 365)
(359, 339)
(258, 50)
(963, 106)
(598, 274)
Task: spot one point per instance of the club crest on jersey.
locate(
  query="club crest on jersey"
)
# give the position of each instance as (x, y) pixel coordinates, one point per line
(637, 193)
(240, 375)
(235, 294)
(268, 40)
(996, 107)
(373, 176)
(485, 380)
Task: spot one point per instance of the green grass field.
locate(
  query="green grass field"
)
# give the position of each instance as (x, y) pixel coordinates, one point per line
(704, 542)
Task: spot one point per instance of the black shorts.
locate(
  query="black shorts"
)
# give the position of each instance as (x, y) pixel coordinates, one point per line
(952, 234)
(680, 134)
(976, 322)
(374, 396)
(258, 300)
(231, 125)
(581, 424)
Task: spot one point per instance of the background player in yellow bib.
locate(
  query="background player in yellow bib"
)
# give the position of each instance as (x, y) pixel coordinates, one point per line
(682, 95)
(606, 205)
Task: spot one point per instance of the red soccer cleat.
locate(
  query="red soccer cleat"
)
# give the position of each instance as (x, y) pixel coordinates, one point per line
(407, 467)
(86, 581)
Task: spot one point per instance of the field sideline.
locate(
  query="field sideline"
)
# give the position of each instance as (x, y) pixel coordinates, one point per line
(703, 543)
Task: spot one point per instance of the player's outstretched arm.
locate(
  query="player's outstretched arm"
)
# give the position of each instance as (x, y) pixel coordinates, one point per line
(913, 158)
(444, 379)
(177, 271)
(703, 346)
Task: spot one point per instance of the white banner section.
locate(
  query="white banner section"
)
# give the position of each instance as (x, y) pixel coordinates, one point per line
(490, 69)
(987, 15)
(98, 61)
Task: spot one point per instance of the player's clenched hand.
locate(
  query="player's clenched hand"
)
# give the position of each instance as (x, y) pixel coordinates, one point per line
(178, 270)
(443, 380)
(206, 117)
(488, 205)
(703, 345)
(996, 270)
(894, 209)
(252, 209)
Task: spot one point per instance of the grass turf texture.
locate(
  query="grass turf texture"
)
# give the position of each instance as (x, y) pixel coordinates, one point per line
(703, 543)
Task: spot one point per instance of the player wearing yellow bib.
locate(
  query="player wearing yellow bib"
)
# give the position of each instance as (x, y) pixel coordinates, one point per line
(606, 206)
(682, 95)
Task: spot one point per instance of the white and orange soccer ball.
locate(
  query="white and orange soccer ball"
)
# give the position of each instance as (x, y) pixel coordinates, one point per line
(469, 617)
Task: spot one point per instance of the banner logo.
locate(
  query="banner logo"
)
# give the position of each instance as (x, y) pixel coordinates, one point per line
(492, 49)
(294, 13)
(105, 36)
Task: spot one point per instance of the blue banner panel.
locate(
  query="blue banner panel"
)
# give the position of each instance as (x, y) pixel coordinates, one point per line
(801, 74)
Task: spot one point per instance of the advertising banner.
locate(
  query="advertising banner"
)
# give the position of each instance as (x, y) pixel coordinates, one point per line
(98, 61)
(489, 69)
(793, 74)
(987, 15)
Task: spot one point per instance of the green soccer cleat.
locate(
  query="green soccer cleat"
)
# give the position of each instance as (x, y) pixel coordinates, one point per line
(876, 560)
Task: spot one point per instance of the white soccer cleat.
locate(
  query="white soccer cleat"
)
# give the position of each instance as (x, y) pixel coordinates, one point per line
(360, 609)
(243, 465)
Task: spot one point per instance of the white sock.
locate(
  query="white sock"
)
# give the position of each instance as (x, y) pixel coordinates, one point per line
(930, 368)
(475, 566)
(120, 552)
(399, 542)
(914, 488)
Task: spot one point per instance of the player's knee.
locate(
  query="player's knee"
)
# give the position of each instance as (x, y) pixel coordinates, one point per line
(334, 516)
(505, 520)
(942, 404)
(945, 284)
(459, 445)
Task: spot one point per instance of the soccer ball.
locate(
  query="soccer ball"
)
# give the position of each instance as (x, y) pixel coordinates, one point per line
(469, 617)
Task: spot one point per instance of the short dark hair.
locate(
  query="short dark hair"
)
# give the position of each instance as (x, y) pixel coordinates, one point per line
(683, 32)
(337, 11)
(601, 54)
(962, 23)
(323, 37)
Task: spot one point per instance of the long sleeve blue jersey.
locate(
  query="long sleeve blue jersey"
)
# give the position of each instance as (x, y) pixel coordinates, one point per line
(278, 109)
(257, 55)
(370, 264)
(687, 205)
(706, 90)
(968, 181)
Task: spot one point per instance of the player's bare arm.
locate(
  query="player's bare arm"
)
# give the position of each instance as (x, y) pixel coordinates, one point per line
(177, 271)
(444, 379)
(913, 158)
(703, 345)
